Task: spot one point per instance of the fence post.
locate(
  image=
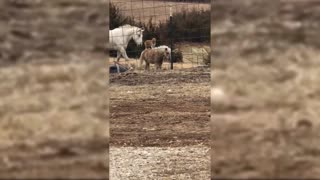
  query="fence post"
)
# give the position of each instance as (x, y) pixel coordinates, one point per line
(171, 37)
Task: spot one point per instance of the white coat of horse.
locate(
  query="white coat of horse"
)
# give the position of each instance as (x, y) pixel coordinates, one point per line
(120, 37)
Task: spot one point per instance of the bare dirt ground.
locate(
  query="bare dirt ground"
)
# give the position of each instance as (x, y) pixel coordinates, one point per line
(163, 114)
(53, 104)
(266, 60)
(160, 109)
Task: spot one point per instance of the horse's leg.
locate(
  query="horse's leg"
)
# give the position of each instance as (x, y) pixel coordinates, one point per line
(118, 68)
(118, 56)
(124, 53)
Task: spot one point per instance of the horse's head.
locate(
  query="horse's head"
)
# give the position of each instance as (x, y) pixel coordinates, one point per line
(138, 36)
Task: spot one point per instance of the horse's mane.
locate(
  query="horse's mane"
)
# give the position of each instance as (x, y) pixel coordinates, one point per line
(162, 46)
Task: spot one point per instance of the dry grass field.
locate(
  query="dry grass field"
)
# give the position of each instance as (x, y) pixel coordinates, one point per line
(53, 120)
(161, 119)
(53, 104)
(266, 61)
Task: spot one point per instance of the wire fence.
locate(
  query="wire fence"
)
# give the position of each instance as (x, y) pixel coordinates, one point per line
(187, 34)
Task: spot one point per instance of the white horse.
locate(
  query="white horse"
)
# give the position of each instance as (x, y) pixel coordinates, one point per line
(120, 37)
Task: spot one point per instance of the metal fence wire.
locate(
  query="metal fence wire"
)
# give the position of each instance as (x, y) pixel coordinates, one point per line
(182, 25)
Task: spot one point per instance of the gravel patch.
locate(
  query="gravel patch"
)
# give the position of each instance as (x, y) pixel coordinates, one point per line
(136, 163)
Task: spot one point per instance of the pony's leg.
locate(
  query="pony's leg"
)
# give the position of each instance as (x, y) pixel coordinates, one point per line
(141, 59)
(158, 67)
(124, 54)
(141, 62)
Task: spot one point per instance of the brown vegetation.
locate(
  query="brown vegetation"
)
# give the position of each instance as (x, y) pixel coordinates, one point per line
(266, 61)
(52, 110)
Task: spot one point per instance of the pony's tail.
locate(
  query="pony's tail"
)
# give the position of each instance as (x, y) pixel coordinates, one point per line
(141, 59)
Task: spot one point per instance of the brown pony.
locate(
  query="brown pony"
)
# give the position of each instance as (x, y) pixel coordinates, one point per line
(154, 56)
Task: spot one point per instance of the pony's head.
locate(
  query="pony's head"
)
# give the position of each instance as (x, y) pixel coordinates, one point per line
(166, 50)
(167, 55)
(138, 36)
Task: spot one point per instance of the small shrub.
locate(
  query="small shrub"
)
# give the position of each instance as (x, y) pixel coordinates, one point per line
(117, 18)
(191, 26)
(177, 56)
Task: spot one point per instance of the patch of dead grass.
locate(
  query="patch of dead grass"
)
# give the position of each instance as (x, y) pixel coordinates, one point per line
(44, 101)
